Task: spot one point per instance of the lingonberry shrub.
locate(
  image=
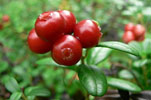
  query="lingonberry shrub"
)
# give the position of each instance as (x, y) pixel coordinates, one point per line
(67, 50)
(53, 32)
(50, 25)
(70, 21)
(88, 32)
(36, 44)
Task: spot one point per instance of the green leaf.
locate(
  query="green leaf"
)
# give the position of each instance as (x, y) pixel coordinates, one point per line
(97, 55)
(11, 84)
(125, 74)
(31, 98)
(92, 79)
(136, 45)
(141, 63)
(147, 11)
(16, 96)
(37, 91)
(123, 84)
(147, 46)
(3, 66)
(119, 46)
(47, 61)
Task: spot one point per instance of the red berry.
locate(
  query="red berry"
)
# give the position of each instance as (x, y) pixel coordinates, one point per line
(139, 30)
(128, 36)
(36, 44)
(129, 27)
(70, 21)
(141, 38)
(6, 18)
(49, 25)
(67, 50)
(1, 26)
(88, 33)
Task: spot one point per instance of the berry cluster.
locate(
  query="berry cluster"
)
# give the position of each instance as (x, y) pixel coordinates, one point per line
(4, 19)
(53, 32)
(134, 32)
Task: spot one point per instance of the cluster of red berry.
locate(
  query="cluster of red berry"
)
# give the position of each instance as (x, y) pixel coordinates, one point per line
(53, 32)
(134, 32)
(5, 19)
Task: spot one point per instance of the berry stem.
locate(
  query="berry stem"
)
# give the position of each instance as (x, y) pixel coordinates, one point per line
(83, 57)
(24, 97)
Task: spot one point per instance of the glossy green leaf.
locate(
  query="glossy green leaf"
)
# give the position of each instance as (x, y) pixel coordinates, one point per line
(125, 74)
(37, 91)
(141, 63)
(11, 84)
(123, 84)
(136, 45)
(47, 61)
(97, 55)
(16, 96)
(147, 46)
(92, 79)
(119, 46)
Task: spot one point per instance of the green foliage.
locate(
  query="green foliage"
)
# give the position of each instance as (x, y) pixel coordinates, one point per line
(122, 84)
(93, 80)
(25, 75)
(97, 55)
(37, 91)
(16, 96)
(11, 84)
(120, 46)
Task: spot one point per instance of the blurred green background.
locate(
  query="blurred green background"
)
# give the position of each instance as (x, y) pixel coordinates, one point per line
(18, 61)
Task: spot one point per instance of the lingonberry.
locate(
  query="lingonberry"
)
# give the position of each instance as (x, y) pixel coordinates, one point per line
(1, 26)
(129, 27)
(70, 21)
(139, 30)
(88, 33)
(67, 50)
(49, 25)
(141, 38)
(36, 44)
(128, 36)
(6, 18)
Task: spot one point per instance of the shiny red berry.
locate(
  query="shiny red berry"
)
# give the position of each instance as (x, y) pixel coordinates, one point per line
(49, 25)
(67, 50)
(6, 18)
(70, 21)
(139, 30)
(88, 33)
(36, 44)
(129, 27)
(128, 36)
